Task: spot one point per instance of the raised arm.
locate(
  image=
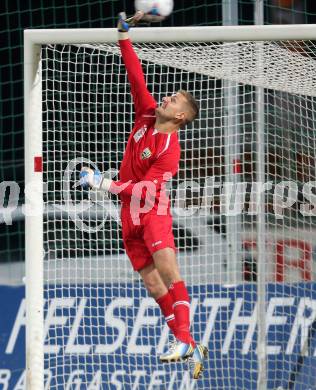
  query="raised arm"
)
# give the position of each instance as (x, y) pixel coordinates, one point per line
(143, 100)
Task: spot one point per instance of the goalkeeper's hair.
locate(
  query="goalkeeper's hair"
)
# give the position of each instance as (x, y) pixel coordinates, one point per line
(193, 107)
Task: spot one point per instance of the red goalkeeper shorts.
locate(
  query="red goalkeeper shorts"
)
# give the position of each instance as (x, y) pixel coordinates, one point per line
(140, 241)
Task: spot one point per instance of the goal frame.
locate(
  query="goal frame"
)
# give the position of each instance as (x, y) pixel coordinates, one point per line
(34, 207)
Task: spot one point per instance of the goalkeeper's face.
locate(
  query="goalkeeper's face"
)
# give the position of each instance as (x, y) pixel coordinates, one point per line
(173, 108)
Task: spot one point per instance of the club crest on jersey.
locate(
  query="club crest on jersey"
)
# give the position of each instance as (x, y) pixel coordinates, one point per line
(146, 154)
(139, 133)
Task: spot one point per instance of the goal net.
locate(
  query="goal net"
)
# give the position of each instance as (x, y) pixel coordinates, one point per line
(253, 296)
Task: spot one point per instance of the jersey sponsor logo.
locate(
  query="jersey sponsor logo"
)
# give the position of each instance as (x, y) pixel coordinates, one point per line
(146, 153)
(139, 133)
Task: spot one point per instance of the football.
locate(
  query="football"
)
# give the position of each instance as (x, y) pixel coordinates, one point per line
(160, 8)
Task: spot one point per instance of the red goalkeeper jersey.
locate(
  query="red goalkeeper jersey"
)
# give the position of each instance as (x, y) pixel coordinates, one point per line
(149, 156)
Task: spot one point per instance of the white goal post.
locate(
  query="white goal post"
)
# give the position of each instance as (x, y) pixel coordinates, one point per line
(203, 58)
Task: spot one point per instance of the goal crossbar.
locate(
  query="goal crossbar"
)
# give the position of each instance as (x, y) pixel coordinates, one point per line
(174, 34)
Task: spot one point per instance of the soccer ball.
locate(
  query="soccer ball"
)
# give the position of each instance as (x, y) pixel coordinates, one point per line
(161, 8)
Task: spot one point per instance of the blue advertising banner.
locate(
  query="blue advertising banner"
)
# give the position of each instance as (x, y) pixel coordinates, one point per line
(109, 337)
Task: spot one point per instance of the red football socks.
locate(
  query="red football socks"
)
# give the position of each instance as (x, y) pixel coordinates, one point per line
(165, 302)
(181, 309)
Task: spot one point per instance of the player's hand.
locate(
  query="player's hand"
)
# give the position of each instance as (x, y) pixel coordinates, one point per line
(89, 178)
(124, 23)
(94, 179)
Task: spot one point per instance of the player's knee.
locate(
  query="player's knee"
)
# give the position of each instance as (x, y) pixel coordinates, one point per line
(153, 290)
(154, 287)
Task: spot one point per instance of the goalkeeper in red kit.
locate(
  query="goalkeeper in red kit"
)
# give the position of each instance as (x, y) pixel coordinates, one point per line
(151, 158)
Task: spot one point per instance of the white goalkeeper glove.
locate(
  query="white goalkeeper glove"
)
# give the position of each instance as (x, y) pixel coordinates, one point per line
(124, 24)
(94, 179)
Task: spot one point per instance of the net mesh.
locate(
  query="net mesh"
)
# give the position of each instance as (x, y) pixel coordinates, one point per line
(265, 64)
(102, 330)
